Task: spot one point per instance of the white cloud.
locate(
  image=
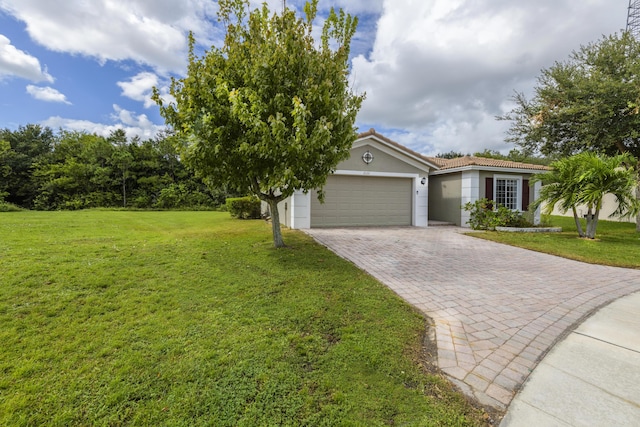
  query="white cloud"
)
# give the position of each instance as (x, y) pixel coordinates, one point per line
(440, 70)
(17, 63)
(139, 88)
(151, 32)
(133, 124)
(47, 94)
(436, 72)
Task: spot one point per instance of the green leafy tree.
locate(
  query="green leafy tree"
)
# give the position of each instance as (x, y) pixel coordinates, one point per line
(584, 179)
(270, 112)
(5, 169)
(450, 155)
(76, 174)
(30, 145)
(121, 159)
(591, 102)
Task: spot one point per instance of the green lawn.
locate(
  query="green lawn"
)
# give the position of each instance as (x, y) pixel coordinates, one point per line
(191, 318)
(616, 243)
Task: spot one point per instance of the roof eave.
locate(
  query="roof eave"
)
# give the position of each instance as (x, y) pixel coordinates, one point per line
(488, 169)
(396, 146)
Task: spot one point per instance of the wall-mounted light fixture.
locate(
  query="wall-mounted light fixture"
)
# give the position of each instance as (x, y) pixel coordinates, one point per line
(423, 181)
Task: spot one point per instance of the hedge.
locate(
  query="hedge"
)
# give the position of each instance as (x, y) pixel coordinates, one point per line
(244, 207)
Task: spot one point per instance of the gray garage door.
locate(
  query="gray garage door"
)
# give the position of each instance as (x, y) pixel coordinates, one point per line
(363, 201)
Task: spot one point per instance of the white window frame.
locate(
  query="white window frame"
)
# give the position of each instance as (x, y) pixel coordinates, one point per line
(518, 180)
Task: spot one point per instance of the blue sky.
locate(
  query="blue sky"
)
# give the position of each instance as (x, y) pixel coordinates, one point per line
(436, 72)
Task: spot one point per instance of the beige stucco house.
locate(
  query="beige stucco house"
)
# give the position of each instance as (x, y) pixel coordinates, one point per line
(384, 183)
(467, 179)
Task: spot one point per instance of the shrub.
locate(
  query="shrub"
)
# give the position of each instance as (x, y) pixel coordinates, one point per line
(244, 207)
(9, 207)
(484, 216)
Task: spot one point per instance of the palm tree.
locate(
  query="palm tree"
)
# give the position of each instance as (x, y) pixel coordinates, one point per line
(584, 179)
(560, 187)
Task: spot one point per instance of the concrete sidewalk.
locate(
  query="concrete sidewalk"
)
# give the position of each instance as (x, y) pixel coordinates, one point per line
(591, 378)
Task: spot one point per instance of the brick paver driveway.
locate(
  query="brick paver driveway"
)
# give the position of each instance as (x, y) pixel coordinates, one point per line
(497, 309)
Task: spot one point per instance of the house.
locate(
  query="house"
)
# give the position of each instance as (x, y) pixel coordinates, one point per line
(384, 183)
(467, 179)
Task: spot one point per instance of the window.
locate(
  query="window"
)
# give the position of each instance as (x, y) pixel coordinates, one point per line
(511, 191)
(507, 192)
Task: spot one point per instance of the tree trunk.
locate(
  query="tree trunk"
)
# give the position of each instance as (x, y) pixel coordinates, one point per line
(592, 223)
(275, 223)
(577, 220)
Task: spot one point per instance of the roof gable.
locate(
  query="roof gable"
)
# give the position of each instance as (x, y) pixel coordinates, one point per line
(396, 149)
(441, 165)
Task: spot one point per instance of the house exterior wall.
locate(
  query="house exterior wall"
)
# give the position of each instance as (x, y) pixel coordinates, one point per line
(283, 211)
(448, 192)
(295, 210)
(445, 193)
(382, 162)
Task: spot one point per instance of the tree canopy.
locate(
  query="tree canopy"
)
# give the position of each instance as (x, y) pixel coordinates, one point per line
(45, 170)
(271, 111)
(589, 102)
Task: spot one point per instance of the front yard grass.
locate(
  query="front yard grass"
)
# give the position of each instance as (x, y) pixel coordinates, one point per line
(616, 244)
(191, 318)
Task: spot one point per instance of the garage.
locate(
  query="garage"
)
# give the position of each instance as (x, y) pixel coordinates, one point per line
(363, 201)
(381, 183)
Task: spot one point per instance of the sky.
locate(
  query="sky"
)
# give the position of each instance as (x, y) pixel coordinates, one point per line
(436, 73)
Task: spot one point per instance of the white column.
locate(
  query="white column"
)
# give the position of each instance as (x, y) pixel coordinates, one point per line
(421, 201)
(301, 210)
(537, 186)
(470, 193)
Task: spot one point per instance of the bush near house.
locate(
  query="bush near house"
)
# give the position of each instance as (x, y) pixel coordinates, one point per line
(244, 207)
(486, 215)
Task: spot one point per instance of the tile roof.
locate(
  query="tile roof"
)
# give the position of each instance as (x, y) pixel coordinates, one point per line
(458, 162)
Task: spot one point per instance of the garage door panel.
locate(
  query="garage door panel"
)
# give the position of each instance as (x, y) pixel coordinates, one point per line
(362, 201)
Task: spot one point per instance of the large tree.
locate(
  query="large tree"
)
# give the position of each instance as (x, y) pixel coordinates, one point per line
(590, 102)
(271, 111)
(29, 146)
(5, 169)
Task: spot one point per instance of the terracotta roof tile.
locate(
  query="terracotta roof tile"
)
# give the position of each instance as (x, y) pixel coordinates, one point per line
(460, 162)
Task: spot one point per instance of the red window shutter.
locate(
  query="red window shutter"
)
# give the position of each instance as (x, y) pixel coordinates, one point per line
(525, 194)
(488, 188)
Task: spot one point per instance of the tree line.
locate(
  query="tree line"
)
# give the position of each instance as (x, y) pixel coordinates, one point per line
(46, 170)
